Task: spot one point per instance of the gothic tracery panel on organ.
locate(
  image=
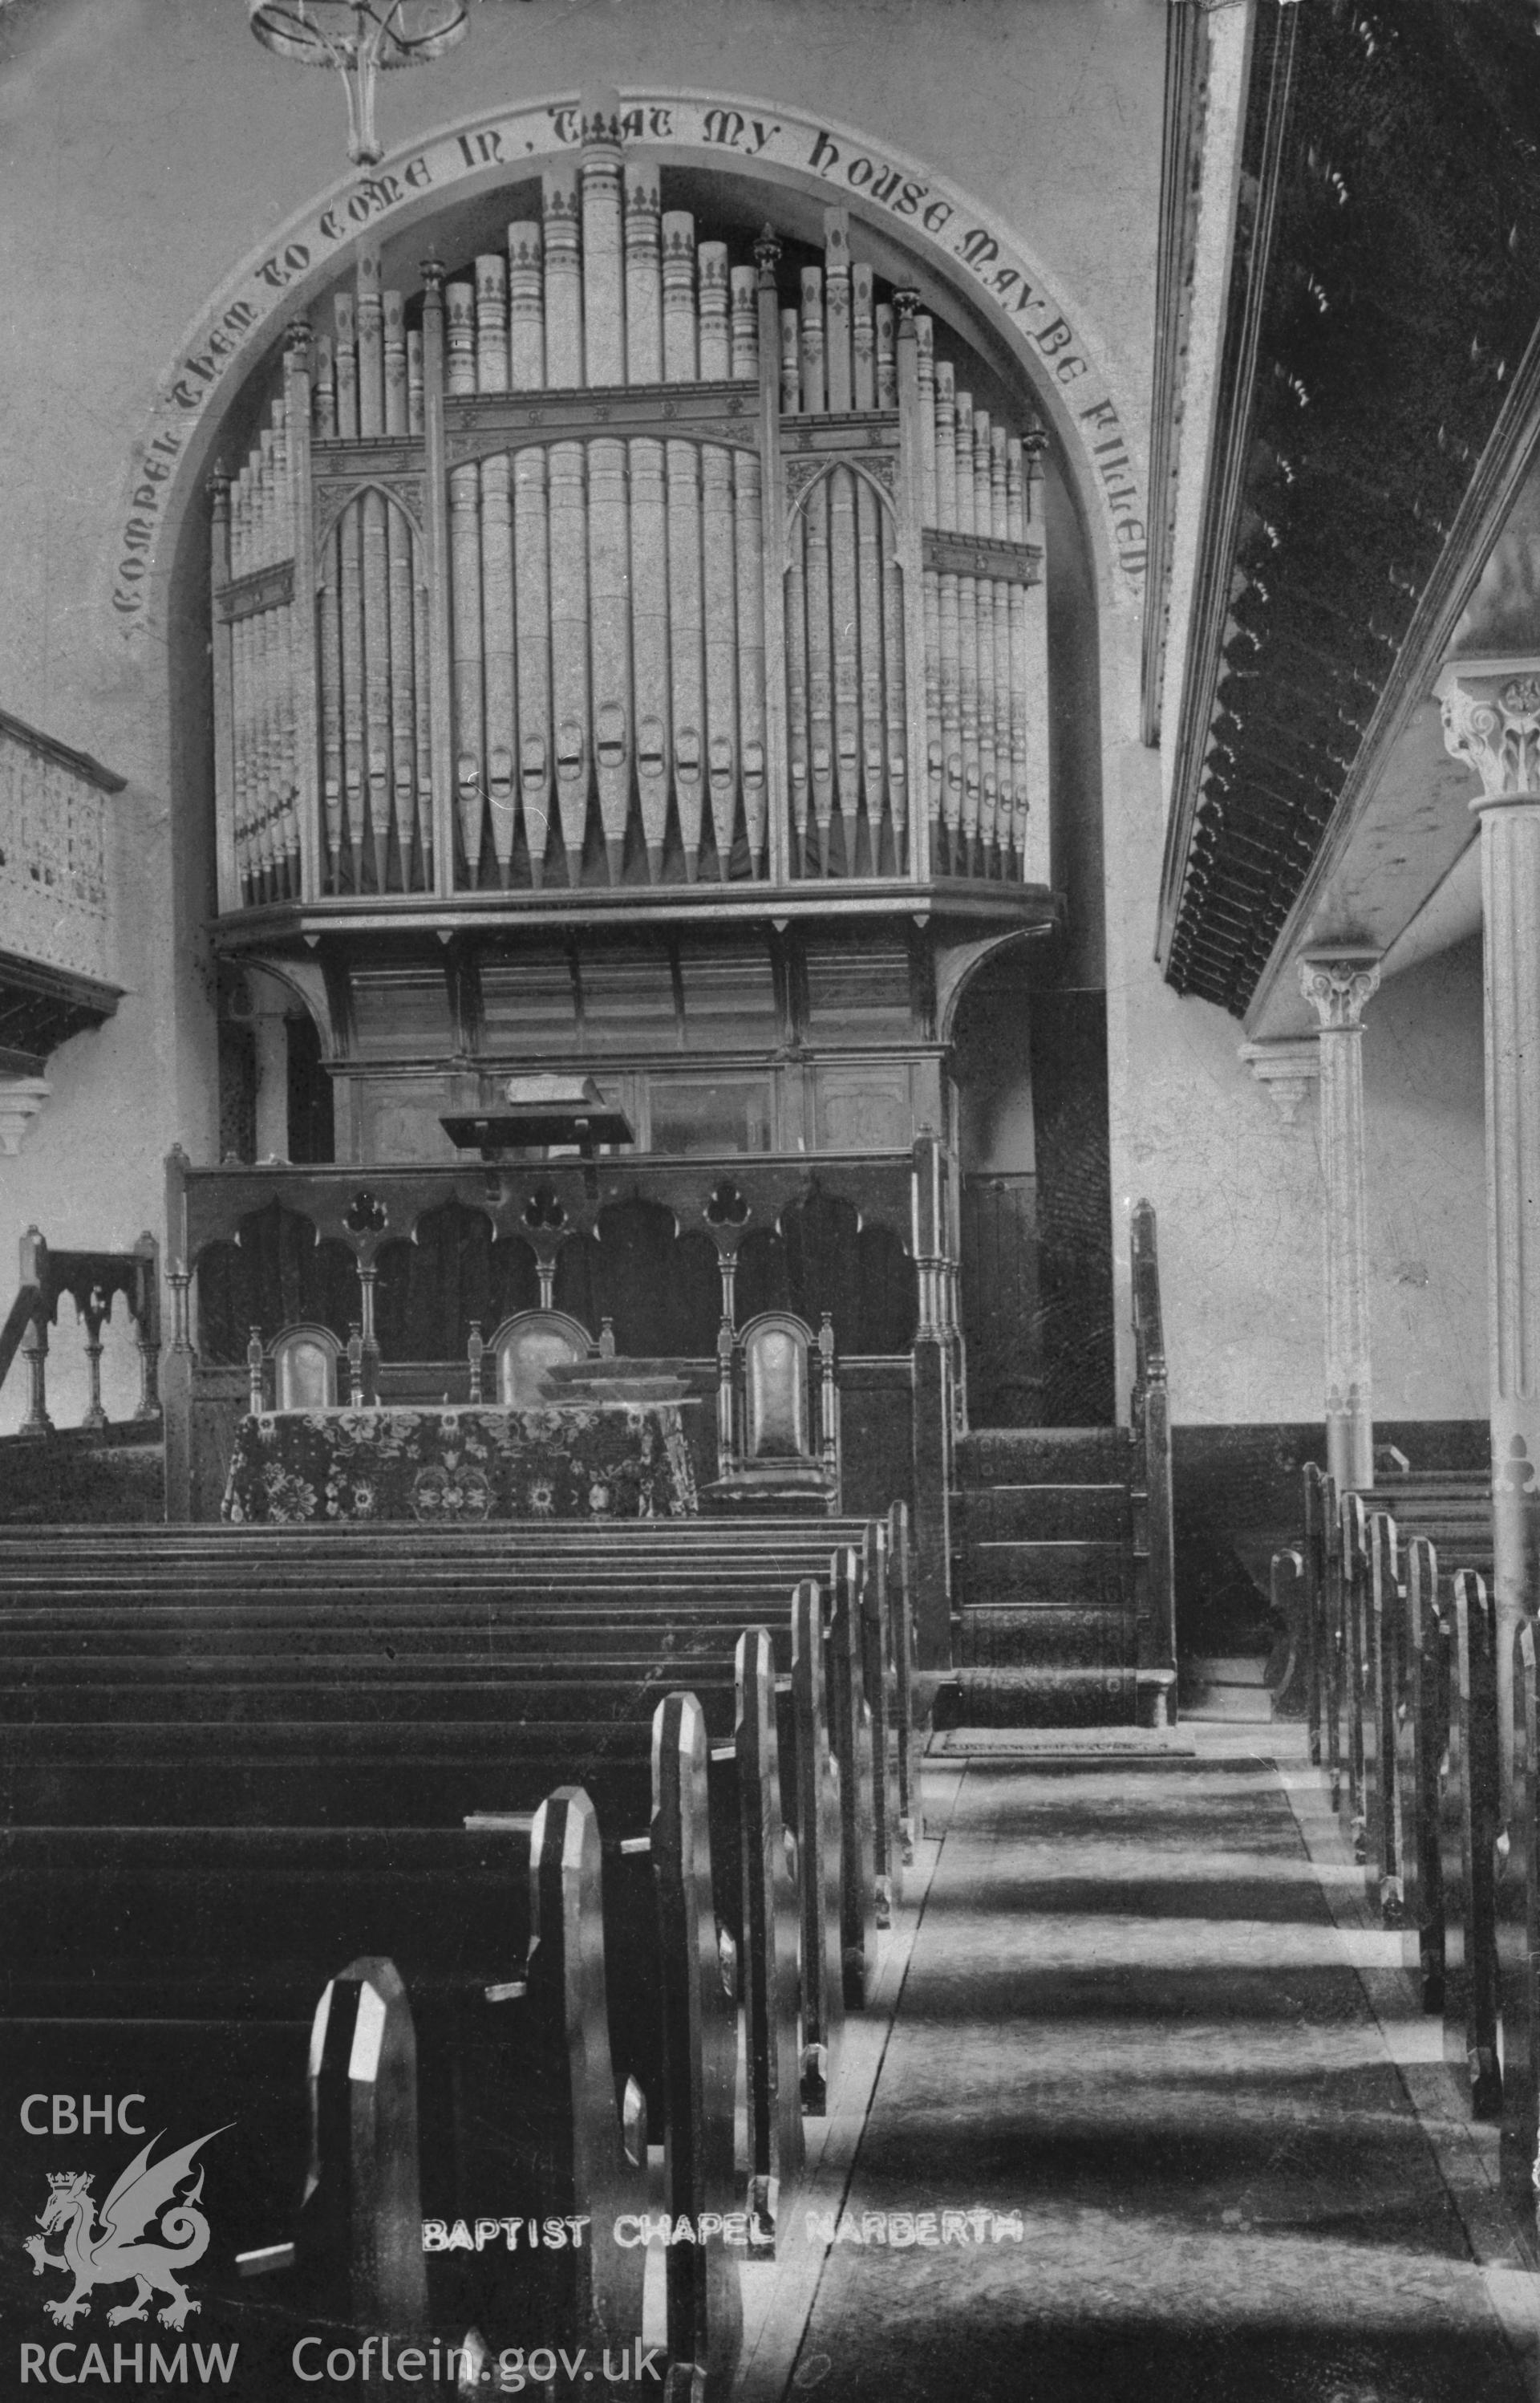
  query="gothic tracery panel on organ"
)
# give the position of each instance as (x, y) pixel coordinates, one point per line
(618, 556)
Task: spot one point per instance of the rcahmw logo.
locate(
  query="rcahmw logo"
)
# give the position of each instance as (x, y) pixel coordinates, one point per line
(150, 2228)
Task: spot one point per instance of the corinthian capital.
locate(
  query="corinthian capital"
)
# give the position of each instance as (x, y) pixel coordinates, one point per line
(1338, 984)
(1491, 720)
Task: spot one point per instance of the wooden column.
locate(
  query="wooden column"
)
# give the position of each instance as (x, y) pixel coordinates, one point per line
(1338, 984)
(1491, 720)
(272, 1031)
(177, 1366)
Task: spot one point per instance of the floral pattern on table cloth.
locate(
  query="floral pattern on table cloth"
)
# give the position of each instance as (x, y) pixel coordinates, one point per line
(450, 1467)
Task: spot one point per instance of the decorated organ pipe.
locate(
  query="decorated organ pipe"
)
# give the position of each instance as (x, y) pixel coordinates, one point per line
(819, 622)
(1030, 678)
(358, 668)
(467, 654)
(988, 785)
(497, 620)
(648, 517)
(531, 546)
(572, 621)
(687, 619)
(749, 558)
(401, 597)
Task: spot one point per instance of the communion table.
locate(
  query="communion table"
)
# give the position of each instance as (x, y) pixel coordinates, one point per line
(463, 1468)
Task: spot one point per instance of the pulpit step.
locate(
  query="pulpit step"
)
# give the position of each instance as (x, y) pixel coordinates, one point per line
(1044, 1573)
(1053, 1574)
(1041, 1697)
(1032, 1639)
(1042, 1512)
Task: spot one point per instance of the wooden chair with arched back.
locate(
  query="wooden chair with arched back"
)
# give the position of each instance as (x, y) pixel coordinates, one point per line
(774, 1376)
(522, 1350)
(300, 1369)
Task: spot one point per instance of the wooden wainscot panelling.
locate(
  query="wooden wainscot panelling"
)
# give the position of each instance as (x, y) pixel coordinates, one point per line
(711, 1114)
(729, 998)
(857, 991)
(398, 1118)
(864, 1108)
(876, 1432)
(627, 999)
(528, 1000)
(221, 1404)
(402, 1011)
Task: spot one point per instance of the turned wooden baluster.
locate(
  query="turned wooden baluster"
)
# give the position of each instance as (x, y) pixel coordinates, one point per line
(34, 1350)
(369, 1357)
(828, 1415)
(727, 1448)
(476, 1351)
(256, 1358)
(94, 1314)
(147, 1319)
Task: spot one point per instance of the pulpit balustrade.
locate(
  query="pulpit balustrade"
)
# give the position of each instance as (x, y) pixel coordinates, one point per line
(413, 1264)
(91, 1279)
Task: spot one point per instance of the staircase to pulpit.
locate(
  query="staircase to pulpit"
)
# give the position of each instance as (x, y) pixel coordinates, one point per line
(1063, 1611)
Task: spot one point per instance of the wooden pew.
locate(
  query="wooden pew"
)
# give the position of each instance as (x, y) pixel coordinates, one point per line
(1421, 1726)
(818, 1816)
(1335, 1653)
(350, 1567)
(459, 1734)
(699, 2063)
(195, 1631)
(1353, 1614)
(1516, 1915)
(258, 1909)
(78, 1561)
(386, 1743)
(1467, 1834)
(1382, 1653)
(871, 1782)
(487, 2068)
(1312, 1555)
(1410, 1739)
(769, 1969)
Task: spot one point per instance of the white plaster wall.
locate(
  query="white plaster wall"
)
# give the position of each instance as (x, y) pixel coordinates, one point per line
(1235, 1192)
(1238, 1190)
(1426, 1176)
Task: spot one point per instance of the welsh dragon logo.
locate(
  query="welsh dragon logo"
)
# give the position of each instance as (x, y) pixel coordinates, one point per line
(120, 2249)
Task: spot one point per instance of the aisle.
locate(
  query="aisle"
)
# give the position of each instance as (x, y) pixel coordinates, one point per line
(1129, 2017)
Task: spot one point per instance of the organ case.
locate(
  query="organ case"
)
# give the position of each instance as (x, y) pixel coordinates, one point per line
(761, 601)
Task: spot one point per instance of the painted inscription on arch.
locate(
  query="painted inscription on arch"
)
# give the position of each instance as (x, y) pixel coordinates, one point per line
(930, 209)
